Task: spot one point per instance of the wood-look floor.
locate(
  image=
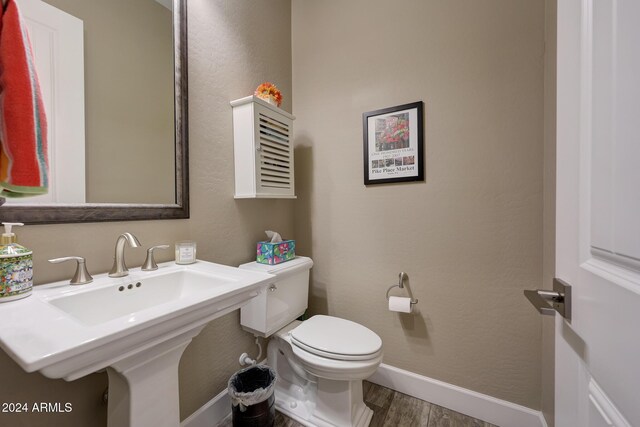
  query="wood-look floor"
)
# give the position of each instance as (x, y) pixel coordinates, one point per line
(394, 409)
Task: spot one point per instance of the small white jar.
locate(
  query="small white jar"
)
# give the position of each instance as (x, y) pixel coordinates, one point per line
(185, 252)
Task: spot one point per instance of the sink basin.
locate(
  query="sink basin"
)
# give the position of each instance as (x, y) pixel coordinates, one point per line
(59, 322)
(101, 304)
(136, 327)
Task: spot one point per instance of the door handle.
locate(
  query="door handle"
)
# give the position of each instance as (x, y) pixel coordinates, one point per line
(548, 302)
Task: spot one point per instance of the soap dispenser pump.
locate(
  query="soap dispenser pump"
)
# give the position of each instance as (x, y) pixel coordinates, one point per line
(16, 266)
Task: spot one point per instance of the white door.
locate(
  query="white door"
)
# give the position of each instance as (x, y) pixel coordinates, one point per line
(598, 212)
(58, 49)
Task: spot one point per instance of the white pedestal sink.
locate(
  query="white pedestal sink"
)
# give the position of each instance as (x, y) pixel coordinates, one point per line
(136, 327)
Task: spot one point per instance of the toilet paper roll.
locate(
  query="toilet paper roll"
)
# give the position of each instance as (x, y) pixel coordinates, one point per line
(400, 304)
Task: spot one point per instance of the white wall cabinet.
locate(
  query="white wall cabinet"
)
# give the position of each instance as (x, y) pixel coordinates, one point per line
(263, 150)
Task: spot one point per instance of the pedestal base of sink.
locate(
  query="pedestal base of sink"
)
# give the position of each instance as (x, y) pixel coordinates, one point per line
(143, 388)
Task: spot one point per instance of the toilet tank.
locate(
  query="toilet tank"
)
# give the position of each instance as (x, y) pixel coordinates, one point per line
(281, 301)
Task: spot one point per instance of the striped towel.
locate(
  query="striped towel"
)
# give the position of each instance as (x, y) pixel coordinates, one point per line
(23, 124)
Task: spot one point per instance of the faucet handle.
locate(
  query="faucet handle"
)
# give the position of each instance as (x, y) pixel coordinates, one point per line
(81, 275)
(150, 262)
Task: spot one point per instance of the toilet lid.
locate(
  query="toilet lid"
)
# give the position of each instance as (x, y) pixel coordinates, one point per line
(336, 338)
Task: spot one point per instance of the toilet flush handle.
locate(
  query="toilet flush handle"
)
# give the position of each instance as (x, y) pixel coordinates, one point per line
(273, 288)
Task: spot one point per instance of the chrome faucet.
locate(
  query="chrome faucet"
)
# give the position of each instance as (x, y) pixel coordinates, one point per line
(119, 268)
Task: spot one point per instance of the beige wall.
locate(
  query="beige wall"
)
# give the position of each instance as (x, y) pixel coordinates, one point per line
(228, 58)
(128, 57)
(549, 212)
(470, 238)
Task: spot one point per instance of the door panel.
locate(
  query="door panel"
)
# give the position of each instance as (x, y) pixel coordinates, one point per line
(602, 413)
(615, 105)
(598, 212)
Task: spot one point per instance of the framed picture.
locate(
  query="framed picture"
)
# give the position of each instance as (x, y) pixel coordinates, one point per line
(394, 144)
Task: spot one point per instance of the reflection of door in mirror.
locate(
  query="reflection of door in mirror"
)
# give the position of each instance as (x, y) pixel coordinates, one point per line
(128, 128)
(57, 40)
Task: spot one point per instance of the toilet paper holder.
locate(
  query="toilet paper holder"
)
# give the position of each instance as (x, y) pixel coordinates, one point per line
(401, 278)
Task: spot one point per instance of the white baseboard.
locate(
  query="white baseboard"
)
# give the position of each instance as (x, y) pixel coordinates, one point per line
(211, 413)
(490, 409)
(495, 411)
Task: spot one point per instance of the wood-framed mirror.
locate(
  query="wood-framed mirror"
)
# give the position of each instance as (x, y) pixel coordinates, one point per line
(92, 211)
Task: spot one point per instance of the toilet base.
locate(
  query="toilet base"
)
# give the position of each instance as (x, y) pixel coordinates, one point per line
(337, 404)
(313, 401)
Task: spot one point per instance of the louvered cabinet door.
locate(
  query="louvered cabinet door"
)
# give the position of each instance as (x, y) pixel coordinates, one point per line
(274, 154)
(263, 150)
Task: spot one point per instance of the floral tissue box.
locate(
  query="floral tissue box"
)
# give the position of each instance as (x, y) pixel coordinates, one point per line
(275, 253)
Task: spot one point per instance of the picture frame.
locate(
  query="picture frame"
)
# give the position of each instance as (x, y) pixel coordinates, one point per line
(393, 141)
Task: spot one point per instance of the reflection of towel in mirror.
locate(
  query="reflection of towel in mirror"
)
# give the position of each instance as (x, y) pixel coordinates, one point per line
(23, 124)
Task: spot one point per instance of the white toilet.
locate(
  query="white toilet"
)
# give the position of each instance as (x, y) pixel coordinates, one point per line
(320, 362)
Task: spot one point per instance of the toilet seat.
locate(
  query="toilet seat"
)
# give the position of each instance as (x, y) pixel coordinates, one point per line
(337, 339)
(336, 369)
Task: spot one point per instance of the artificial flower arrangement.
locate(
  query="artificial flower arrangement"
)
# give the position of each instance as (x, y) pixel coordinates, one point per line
(270, 93)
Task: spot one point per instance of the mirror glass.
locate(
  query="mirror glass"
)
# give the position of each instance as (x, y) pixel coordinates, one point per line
(116, 103)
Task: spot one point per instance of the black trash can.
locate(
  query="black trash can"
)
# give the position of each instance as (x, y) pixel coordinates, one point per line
(253, 402)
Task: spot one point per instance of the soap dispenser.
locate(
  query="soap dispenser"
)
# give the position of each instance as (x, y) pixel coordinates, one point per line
(16, 266)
